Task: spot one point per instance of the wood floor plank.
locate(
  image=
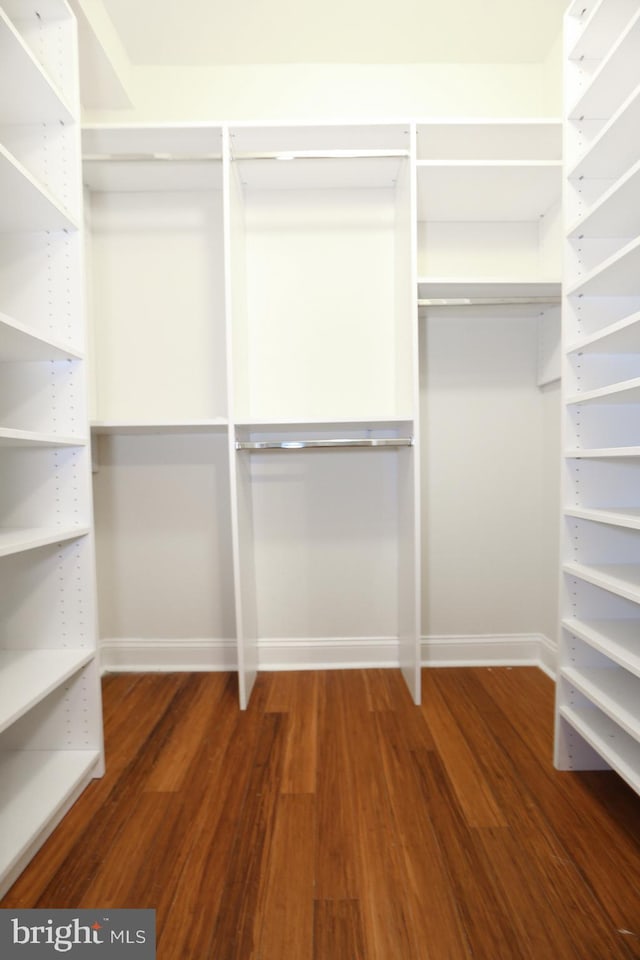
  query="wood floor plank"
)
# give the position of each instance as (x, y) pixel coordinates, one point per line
(337, 930)
(188, 734)
(295, 693)
(285, 896)
(194, 890)
(237, 926)
(337, 865)
(388, 924)
(436, 928)
(486, 921)
(474, 792)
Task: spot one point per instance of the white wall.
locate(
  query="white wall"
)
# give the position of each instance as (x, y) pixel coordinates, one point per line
(338, 91)
(490, 478)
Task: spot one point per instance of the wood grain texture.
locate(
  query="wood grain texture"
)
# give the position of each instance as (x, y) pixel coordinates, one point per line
(334, 820)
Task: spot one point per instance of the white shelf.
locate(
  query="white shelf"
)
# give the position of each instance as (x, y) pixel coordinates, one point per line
(312, 137)
(615, 77)
(616, 747)
(19, 539)
(371, 423)
(19, 344)
(623, 336)
(487, 190)
(27, 206)
(602, 25)
(616, 639)
(618, 393)
(618, 275)
(27, 676)
(165, 157)
(492, 288)
(47, 9)
(36, 786)
(34, 97)
(616, 214)
(496, 140)
(607, 453)
(613, 690)
(140, 427)
(326, 173)
(622, 579)
(619, 517)
(614, 150)
(29, 438)
(148, 174)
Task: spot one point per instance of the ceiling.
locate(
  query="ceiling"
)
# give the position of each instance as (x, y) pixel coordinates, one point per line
(209, 32)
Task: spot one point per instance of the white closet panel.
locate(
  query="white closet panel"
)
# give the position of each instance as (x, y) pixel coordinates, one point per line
(598, 692)
(50, 716)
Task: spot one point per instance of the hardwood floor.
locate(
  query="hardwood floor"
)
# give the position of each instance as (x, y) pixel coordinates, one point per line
(333, 820)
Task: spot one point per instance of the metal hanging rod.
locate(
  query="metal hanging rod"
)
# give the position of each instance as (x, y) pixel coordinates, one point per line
(279, 155)
(309, 444)
(145, 157)
(485, 301)
(322, 155)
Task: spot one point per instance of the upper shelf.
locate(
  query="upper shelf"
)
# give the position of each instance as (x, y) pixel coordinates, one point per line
(614, 79)
(487, 190)
(311, 138)
(19, 344)
(29, 438)
(623, 336)
(142, 427)
(617, 639)
(320, 172)
(615, 149)
(27, 676)
(619, 275)
(497, 140)
(617, 212)
(27, 206)
(18, 539)
(34, 97)
(601, 22)
(444, 289)
(628, 391)
(152, 157)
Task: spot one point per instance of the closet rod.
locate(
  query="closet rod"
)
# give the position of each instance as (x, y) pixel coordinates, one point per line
(485, 301)
(307, 444)
(322, 155)
(145, 157)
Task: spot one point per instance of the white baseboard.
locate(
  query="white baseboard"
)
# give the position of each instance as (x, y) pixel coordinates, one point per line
(162, 655)
(322, 653)
(501, 650)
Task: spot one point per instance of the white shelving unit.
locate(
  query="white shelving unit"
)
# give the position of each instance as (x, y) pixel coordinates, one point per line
(50, 712)
(598, 693)
(155, 251)
(488, 204)
(325, 372)
(277, 434)
(489, 223)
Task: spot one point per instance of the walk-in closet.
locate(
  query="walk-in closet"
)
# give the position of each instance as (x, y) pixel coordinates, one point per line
(314, 367)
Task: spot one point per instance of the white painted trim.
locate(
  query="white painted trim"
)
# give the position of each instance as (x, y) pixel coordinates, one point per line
(162, 655)
(326, 653)
(479, 650)
(548, 660)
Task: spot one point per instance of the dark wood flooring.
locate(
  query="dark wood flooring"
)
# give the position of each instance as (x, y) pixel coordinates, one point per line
(333, 820)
